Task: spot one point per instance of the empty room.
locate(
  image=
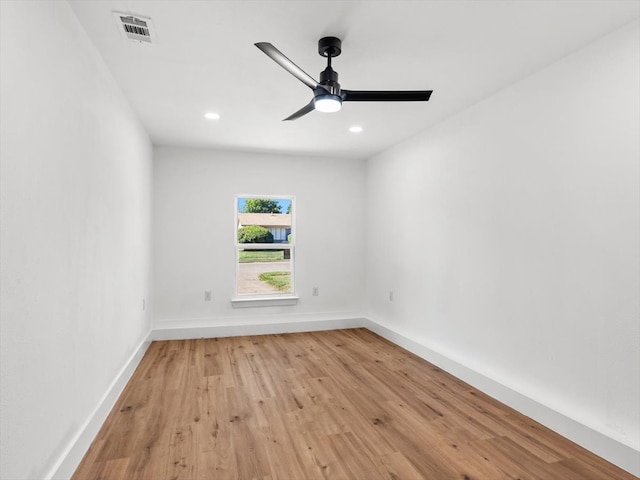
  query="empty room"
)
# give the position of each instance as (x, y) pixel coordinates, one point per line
(319, 239)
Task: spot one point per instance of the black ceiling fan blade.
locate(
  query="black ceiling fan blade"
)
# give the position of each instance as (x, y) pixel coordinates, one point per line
(309, 107)
(277, 56)
(386, 95)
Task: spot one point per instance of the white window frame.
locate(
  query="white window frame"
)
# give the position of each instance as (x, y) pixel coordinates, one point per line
(270, 299)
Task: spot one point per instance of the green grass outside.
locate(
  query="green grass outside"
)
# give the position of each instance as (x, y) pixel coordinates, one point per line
(248, 256)
(279, 280)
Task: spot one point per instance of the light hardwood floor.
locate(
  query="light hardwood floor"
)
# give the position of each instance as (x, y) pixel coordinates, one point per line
(341, 404)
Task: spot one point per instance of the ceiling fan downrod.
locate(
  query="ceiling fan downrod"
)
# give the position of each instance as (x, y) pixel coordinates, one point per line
(330, 47)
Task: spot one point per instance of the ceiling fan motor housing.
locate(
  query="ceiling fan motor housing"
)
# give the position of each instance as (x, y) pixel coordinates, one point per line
(329, 79)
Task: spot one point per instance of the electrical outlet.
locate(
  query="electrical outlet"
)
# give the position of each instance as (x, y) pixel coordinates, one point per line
(144, 305)
(207, 296)
(391, 295)
(315, 292)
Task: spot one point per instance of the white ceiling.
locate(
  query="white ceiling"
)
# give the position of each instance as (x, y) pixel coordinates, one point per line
(205, 60)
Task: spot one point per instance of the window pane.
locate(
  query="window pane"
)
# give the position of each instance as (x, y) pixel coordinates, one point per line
(264, 272)
(264, 245)
(264, 220)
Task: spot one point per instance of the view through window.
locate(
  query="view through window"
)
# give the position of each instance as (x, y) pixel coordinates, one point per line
(264, 245)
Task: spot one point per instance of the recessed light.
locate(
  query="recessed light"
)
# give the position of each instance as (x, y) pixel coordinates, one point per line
(212, 116)
(355, 129)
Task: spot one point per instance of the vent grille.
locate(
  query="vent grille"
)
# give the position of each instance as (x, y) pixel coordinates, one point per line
(136, 28)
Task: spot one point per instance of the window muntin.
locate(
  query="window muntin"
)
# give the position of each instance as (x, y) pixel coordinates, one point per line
(264, 246)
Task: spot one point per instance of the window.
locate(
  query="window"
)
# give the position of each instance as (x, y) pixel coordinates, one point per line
(265, 249)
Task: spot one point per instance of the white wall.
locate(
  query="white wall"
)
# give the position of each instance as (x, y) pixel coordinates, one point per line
(75, 228)
(194, 228)
(517, 254)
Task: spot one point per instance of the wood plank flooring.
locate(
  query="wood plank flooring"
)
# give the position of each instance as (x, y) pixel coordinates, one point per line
(342, 404)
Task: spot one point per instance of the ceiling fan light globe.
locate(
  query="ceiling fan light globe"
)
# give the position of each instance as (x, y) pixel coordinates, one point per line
(328, 103)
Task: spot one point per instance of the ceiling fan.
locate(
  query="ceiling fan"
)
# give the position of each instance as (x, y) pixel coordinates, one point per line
(327, 94)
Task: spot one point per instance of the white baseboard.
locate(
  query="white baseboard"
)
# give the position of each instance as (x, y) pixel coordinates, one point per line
(177, 330)
(72, 456)
(612, 450)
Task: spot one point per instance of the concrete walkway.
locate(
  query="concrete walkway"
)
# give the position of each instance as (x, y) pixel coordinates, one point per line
(248, 281)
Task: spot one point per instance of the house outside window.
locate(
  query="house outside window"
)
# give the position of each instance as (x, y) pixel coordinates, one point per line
(279, 224)
(265, 247)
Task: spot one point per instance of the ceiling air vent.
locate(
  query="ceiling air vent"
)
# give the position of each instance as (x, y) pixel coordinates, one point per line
(136, 28)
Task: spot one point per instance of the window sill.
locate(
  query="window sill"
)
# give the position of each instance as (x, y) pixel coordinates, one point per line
(253, 302)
